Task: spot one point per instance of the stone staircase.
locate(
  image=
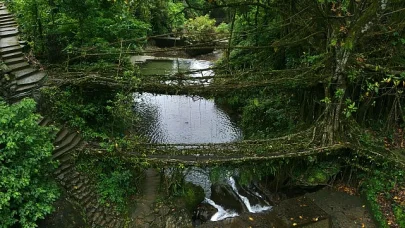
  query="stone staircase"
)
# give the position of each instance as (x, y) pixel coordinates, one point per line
(78, 185)
(22, 80)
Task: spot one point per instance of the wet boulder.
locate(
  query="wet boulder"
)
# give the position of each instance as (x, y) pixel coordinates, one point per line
(225, 196)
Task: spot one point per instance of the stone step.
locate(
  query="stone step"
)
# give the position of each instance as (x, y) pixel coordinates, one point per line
(4, 16)
(60, 135)
(8, 33)
(113, 223)
(8, 23)
(62, 167)
(19, 96)
(89, 204)
(18, 66)
(65, 142)
(31, 79)
(119, 224)
(9, 41)
(83, 192)
(44, 121)
(70, 176)
(4, 11)
(7, 29)
(80, 187)
(65, 159)
(15, 60)
(13, 24)
(11, 55)
(75, 183)
(10, 49)
(91, 196)
(109, 220)
(24, 73)
(98, 217)
(89, 215)
(67, 148)
(103, 222)
(6, 20)
(26, 88)
(62, 175)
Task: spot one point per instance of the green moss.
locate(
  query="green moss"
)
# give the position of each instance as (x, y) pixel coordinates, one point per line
(400, 216)
(193, 195)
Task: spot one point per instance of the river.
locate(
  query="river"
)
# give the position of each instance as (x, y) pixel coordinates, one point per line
(179, 118)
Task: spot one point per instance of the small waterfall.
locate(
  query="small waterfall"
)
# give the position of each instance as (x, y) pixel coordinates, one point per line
(253, 209)
(222, 213)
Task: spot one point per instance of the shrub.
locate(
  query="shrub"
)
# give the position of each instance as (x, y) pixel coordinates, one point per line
(27, 192)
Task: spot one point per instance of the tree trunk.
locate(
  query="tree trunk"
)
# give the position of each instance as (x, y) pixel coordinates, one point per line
(333, 126)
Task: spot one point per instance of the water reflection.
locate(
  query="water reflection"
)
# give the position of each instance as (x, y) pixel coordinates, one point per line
(183, 119)
(199, 68)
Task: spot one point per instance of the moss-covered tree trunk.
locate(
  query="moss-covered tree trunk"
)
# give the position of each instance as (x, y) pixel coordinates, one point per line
(333, 129)
(344, 36)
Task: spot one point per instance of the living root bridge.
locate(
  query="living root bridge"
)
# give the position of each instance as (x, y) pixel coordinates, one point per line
(193, 160)
(171, 85)
(292, 146)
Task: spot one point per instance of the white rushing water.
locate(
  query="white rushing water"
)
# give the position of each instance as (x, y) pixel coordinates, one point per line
(251, 208)
(221, 213)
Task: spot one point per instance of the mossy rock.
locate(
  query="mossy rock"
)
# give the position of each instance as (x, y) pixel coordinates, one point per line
(193, 195)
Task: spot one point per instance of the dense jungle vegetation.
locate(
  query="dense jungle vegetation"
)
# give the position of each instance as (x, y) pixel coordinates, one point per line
(336, 67)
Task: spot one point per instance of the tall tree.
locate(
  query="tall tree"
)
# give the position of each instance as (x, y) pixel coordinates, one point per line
(352, 50)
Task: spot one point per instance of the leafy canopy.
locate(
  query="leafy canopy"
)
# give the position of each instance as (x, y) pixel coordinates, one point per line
(26, 193)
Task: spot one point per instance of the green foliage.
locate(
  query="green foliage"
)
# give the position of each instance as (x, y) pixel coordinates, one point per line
(399, 213)
(52, 26)
(268, 117)
(27, 192)
(175, 17)
(222, 30)
(116, 179)
(256, 172)
(350, 108)
(381, 180)
(96, 115)
(318, 173)
(247, 172)
(200, 30)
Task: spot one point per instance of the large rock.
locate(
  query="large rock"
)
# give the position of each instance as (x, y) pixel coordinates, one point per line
(225, 196)
(203, 213)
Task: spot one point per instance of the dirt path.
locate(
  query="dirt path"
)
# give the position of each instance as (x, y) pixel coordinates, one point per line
(143, 216)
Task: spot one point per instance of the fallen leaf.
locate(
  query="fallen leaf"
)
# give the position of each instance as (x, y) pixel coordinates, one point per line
(315, 219)
(300, 217)
(294, 224)
(250, 218)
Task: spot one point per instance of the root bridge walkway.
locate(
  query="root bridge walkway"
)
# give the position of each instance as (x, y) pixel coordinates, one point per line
(248, 150)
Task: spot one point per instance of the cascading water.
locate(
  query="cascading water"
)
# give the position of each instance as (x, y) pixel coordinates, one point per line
(252, 209)
(200, 177)
(221, 213)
